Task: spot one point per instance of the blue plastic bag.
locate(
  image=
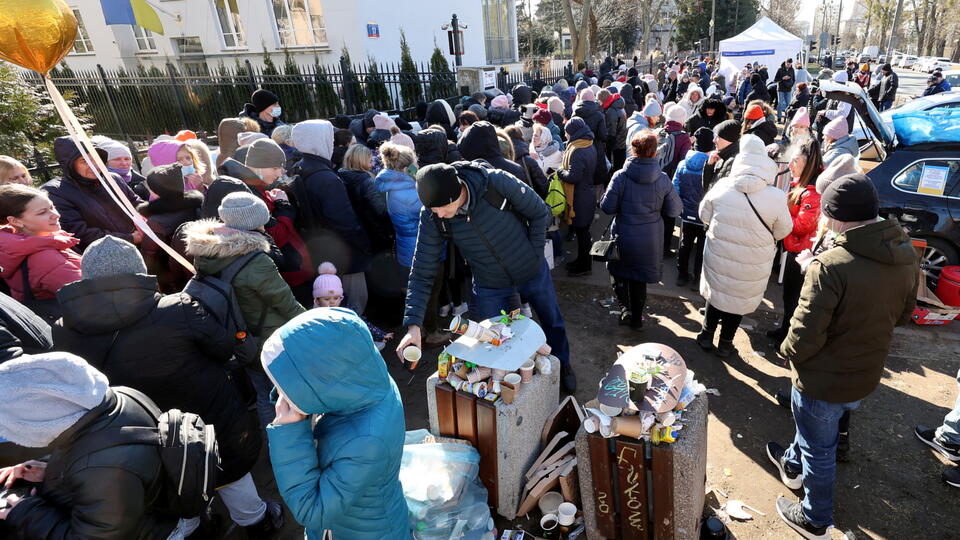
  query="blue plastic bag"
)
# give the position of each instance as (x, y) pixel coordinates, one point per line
(933, 126)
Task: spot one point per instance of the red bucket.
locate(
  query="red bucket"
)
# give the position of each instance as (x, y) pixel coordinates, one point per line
(948, 286)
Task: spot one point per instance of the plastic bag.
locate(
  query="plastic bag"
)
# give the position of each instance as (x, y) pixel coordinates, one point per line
(933, 126)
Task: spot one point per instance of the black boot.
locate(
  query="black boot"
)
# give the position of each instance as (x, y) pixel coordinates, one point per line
(725, 348)
(568, 379)
(269, 526)
(705, 340)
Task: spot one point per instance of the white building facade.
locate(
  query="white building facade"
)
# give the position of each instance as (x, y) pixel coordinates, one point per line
(199, 35)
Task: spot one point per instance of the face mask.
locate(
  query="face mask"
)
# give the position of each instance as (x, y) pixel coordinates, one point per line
(187, 170)
(275, 112)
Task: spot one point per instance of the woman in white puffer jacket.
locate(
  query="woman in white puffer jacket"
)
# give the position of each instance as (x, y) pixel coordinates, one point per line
(740, 248)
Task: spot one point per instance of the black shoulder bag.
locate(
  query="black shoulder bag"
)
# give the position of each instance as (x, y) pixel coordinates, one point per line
(765, 226)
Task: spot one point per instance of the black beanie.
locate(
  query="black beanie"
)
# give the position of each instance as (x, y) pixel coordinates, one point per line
(851, 198)
(438, 185)
(261, 99)
(728, 130)
(341, 121)
(220, 188)
(703, 139)
(166, 181)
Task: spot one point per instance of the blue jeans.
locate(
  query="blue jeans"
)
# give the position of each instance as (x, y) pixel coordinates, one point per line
(814, 451)
(783, 100)
(539, 292)
(949, 432)
(886, 104)
(266, 411)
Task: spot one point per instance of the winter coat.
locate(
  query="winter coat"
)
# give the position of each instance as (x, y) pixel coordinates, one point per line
(359, 125)
(942, 86)
(670, 90)
(51, 263)
(888, 87)
(342, 474)
(681, 145)
(758, 90)
(266, 127)
(287, 237)
(743, 91)
(260, 291)
(481, 142)
(165, 216)
(21, 332)
(167, 347)
(616, 119)
(688, 182)
(336, 157)
(862, 78)
(106, 495)
(739, 250)
(785, 85)
(138, 184)
(591, 114)
(370, 205)
(629, 101)
(502, 250)
(847, 145)
(765, 129)
(688, 105)
(640, 196)
(635, 124)
(326, 219)
(701, 119)
(840, 332)
(538, 180)
(432, 146)
(86, 209)
(580, 173)
(502, 117)
(806, 217)
(403, 205)
(721, 168)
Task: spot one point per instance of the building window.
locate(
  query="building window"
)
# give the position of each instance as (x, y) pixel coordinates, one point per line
(82, 45)
(299, 22)
(231, 28)
(498, 37)
(188, 45)
(144, 37)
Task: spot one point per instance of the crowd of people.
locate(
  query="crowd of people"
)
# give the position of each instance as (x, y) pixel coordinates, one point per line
(453, 209)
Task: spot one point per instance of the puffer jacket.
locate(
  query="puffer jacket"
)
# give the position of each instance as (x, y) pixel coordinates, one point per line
(370, 205)
(502, 250)
(51, 263)
(845, 146)
(841, 331)
(432, 146)
(616, 120)
(640, 196)
(582, 165)
(806, 216)
(261, 292)
(359, 125)
(165, 216)
(403, 205)
(86, 209)
(629, 101)
(701, 119)
(167, 347)
(21, 332)
(502, 117)
(738, 252)
(481, 142)
(688, 183)
(591, 114)
(764, 128)
(108, 494)
(343, 474)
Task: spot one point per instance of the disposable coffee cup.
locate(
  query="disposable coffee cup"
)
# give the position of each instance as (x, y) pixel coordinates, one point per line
(411, 357)
(512, 378)
(566, 513)
(526, 371)
(549, 522)
(610, 411)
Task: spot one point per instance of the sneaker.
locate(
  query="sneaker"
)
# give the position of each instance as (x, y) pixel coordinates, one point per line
(951, 476)
(843, 447)
(705, 341)
(625, 317)
(792, 514)
(269, 526)
(526, 311)
(682, 281)
(568, 379)
(790, 479)
(725, 348)
(929, 437)
(445, 310)
(461, 309)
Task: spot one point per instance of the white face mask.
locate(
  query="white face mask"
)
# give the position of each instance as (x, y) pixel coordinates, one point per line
(275, 112)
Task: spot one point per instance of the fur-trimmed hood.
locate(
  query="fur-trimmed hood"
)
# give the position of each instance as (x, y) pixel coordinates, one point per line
(213, 245)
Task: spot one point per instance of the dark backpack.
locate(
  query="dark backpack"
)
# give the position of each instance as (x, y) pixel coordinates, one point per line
(216, 294)
(188, 454)
(492, 196)
(666, 147)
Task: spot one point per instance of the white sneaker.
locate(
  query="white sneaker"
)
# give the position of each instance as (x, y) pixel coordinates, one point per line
(526, 311)
(445, 310)
(461, 309)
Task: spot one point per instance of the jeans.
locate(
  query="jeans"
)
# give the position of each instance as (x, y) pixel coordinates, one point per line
(949, 432)
(690, 234)
(792, 283)
(783, 100)
(539, 292)
(728, 323)
(814, 451)
(886, 104)
(243, 502)
(266, 412)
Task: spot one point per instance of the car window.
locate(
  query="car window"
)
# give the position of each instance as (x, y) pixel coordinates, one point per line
(909, 178)
(954, 80)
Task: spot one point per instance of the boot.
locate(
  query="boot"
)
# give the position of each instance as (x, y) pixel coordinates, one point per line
(725, 348)
(705, 340)
(568, 379)
(269, 526)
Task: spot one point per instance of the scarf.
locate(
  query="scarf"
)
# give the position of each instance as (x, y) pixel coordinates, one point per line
(568, 189)
(126, 174)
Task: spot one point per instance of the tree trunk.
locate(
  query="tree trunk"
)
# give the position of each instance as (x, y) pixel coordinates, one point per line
(866, 31)
(584, 31)
(916, 26)
(575, 49)
(594, 35)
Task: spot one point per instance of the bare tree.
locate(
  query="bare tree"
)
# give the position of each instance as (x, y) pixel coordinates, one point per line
(579, 33)
(650, 12)
(784, 13)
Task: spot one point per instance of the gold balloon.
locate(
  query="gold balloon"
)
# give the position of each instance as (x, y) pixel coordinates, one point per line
(36, 34)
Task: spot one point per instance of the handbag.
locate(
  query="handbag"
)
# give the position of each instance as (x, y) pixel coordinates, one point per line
(605, 249)
(765, 226)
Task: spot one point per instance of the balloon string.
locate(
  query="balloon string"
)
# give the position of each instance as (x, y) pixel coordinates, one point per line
(99, 168)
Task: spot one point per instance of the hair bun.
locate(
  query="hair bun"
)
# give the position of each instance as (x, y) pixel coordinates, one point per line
(327, 268)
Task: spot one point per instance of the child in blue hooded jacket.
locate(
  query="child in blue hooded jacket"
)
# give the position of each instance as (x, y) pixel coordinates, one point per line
(688, 181)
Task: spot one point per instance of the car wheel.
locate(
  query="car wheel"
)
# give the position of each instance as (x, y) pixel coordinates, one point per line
(936, 255)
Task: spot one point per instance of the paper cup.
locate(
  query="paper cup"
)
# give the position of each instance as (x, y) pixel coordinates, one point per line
(610, 411)
(411, 356)
(566, 513)
(549, 502)
(549, 522)
(591, 424)
(478, 374)
(512, 378)
(631, 426)
(526, 371)
(454, 381)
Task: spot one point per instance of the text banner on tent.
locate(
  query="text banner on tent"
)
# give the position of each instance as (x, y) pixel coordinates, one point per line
(762, 52)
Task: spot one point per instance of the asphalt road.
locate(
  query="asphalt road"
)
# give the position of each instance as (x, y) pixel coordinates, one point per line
(912, 83)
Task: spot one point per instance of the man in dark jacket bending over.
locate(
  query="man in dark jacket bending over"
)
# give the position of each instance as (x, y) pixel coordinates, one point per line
(853, 296)
(503, 246)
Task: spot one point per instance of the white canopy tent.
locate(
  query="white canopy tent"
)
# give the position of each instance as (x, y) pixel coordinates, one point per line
(764, 42)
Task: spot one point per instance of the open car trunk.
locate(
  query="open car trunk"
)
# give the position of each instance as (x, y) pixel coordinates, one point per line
(881, 140)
